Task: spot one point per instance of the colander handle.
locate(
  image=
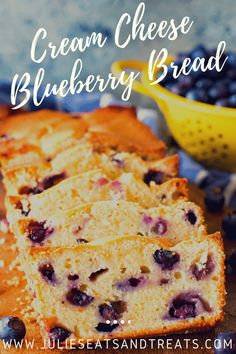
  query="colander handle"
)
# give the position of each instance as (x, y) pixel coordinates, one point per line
(122, 65)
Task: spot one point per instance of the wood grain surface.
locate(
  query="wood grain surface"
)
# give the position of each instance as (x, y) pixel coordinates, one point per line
(15, 301)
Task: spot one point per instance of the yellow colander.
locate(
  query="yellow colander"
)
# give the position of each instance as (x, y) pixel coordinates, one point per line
(206, 132)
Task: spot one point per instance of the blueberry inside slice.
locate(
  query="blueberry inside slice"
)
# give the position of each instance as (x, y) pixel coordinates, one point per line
(78, 298)
(105, 327)
(47, 272)
(59, 334)
(37, 231)
(166, 259)
(153, 176)
(113, 310)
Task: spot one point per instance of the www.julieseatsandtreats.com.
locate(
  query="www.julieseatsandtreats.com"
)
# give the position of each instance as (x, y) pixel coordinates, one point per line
(115, 344)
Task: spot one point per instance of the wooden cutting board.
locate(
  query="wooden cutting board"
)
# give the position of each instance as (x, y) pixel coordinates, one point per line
(15, 300)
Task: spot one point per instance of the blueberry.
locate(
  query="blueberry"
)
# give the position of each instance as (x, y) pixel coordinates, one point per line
(73, 277)
(29, 190)
(187, 305)
(232, 101)
(78, 298)
(232, 60)
(217, 91)
(224, 102)
(51, 181)
(231, 74)
(199, 52)
(37, 232)
(113, 310)
(12, 328)
(81, 240)
(232, 88)
(159, 228)
(47, 271)
(214, 200)
(104, 327)
(205, 270)
(153, 176)
(131, 283)
(185, 82)
(229, 225)
(182, 309)
(197, 95)
(59, 334)
(232, 262)
(191, 217)
(177, 89)
(225, 343)
(166, 259)
(204, 83)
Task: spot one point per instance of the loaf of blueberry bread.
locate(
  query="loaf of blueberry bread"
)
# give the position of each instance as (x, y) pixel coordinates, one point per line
(35, 178)
(108, 241)
(128, 287)
(94, 186)
(106, 219)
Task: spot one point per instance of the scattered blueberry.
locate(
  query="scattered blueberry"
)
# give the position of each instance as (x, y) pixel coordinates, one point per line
(81, 240)
(182, 309)
(105, 327)
(197, 95)
(191, 217)
(159, 228)
(207, 269)
(153, 176)
(73, 277)
(166, 259)
(225, 343)
(12, 328)
(187, 305)
(59, 334)
(131, 283)
(113, 310)
(214, 200)
(51, 181)
(93, 276)
(229, 225)
(232, 262)
(37, 232)
(78, 298)
(48, 272)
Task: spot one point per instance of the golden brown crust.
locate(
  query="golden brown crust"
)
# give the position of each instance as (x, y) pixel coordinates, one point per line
(120, 126)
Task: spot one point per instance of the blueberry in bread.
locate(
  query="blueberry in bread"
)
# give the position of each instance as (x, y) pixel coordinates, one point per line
(128, 287)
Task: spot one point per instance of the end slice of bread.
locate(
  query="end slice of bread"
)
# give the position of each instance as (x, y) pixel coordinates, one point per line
(128, 287)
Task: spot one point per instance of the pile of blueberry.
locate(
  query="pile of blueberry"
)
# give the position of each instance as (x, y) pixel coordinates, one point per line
(213, 87)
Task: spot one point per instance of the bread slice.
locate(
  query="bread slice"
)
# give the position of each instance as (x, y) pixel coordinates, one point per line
(105, 219)
(34, 179)
(110, 127)
(94, 186)
(128, 287)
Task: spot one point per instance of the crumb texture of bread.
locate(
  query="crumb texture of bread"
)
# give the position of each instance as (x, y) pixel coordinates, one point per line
(125, 285)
